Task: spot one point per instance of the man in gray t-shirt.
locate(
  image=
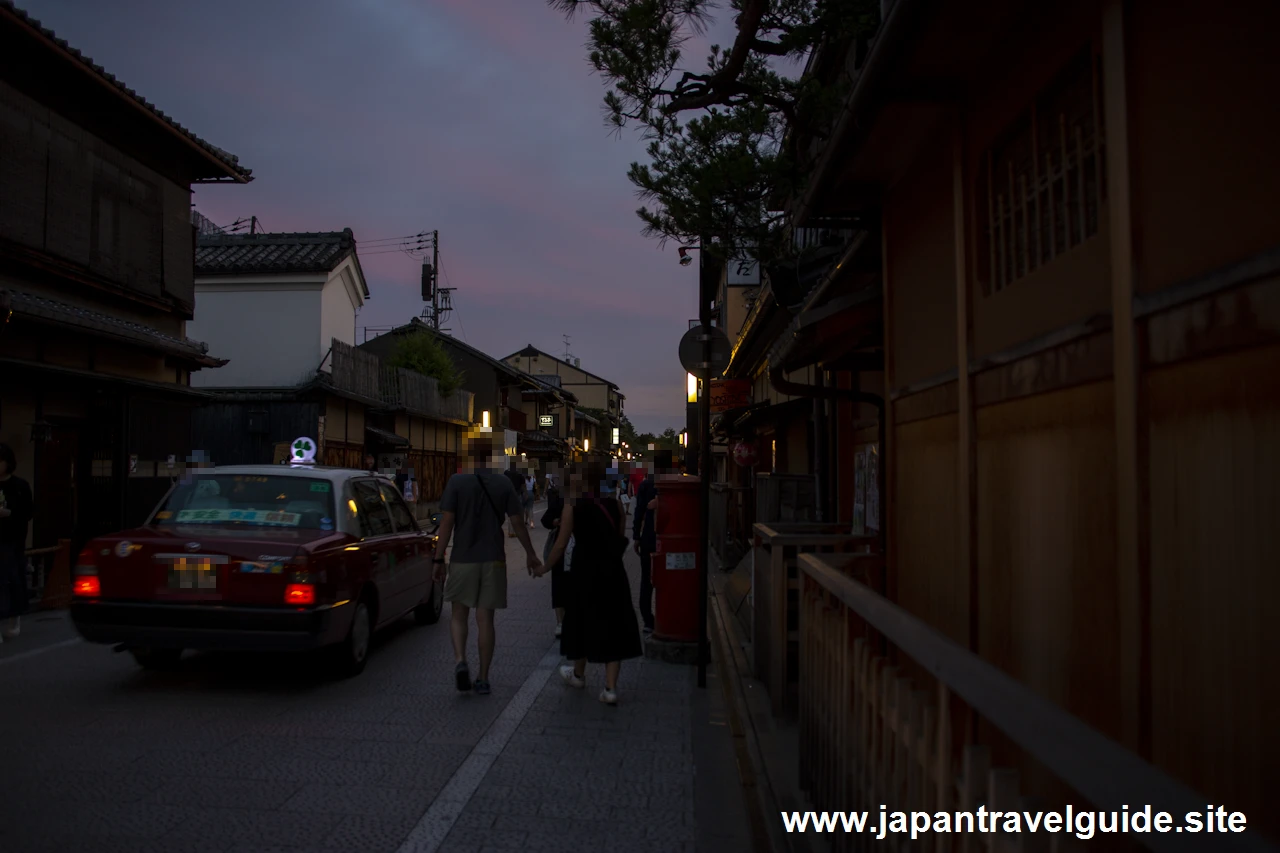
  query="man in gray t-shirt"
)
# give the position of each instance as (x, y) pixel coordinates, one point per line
(476, 503)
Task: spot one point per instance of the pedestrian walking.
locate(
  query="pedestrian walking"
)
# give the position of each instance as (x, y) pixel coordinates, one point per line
(599, 620)
(530, 497)
(624, 496)
(474, 506)
(16, 509)
(551, 520)
(645, 543)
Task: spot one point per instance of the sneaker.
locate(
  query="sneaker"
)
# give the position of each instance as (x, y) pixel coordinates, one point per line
(609, 697)
(14, 628)
(462, 676)
(559, 631)
(570, 677)
(482, 688)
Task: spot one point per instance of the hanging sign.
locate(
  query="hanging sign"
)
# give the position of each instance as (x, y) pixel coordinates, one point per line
(729, 394)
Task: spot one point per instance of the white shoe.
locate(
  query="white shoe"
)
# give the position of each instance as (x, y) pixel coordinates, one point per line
(14, 628)
(609, 697)
(570, 677)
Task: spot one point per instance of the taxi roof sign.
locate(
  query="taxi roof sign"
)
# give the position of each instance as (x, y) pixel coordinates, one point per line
(303, 451)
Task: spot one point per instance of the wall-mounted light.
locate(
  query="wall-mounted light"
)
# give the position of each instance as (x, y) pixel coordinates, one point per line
(484, 419)
(692, 383)
(586, 445)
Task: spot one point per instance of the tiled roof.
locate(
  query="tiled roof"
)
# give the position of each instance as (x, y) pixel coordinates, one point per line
(226, 159)
(52, 310)
(531, 351)
(273, 253)
(416, 324)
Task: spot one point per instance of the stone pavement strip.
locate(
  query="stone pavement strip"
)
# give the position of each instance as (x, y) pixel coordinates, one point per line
(263, 754)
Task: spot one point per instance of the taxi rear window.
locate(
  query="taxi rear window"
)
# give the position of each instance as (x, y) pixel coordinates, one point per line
(252, 500)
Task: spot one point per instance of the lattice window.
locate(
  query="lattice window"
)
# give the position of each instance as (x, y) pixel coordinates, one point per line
(1042, 185)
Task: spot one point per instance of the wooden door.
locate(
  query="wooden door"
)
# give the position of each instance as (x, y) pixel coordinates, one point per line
(55, 487)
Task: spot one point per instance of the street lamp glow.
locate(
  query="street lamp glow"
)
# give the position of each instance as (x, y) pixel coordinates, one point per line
(484, 419)
(693, 388)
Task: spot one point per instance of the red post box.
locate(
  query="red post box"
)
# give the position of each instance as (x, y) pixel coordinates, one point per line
(675, 568)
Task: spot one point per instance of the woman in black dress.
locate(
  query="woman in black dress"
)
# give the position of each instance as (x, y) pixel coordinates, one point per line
(600, 622)
(15, 513)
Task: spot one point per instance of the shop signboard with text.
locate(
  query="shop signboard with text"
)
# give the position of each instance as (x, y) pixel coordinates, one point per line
(729, 394)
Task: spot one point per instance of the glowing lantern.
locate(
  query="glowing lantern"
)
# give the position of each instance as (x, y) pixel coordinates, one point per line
(745, 454)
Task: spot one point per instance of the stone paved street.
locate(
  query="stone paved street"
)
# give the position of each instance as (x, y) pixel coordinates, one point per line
(264, 753)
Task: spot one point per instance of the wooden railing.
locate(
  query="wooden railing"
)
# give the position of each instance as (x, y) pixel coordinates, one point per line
(49, 575)
(363, 374)
(870, 737)
(775, 591)
(730, 528)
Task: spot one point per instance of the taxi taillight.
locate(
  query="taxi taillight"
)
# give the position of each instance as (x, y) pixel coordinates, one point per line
(86, 584)
(300, 593)
(88, 587)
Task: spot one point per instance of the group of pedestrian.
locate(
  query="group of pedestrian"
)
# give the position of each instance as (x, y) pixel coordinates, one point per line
(586, 519)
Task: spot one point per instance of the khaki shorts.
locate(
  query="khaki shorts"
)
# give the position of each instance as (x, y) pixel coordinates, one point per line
(482, 585)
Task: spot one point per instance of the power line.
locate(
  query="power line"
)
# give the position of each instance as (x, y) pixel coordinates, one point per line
(388, 241)
(389, 252)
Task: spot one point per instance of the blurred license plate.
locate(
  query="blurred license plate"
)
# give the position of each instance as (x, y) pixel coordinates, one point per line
(197, 574)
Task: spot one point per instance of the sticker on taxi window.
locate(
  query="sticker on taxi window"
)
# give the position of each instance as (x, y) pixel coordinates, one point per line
(163, 514)
(244, 516)
(262, 568)
(320, 487)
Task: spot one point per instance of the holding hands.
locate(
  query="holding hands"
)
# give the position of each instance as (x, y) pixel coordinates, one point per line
(536, 568)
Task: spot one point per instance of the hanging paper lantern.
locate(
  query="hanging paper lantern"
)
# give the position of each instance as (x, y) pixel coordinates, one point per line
(745, 453)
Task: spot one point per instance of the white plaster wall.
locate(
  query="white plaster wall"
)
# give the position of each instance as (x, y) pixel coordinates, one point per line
(338, 302)
(272, 337)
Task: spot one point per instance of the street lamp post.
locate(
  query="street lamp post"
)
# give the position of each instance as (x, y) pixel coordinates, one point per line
(704, 468)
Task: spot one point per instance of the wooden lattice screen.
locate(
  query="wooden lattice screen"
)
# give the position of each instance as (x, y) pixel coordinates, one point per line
(1041, 187)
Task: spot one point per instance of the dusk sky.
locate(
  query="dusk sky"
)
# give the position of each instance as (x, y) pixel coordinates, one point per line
(479, 118)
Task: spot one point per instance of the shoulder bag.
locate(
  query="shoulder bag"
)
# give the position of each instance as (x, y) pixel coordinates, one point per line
(488, 497)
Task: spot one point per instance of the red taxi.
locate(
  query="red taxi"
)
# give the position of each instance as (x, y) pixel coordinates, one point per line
(260, 557)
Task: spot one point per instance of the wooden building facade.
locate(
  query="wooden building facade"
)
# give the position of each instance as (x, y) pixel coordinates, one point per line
(96, 285)
(1055, 325)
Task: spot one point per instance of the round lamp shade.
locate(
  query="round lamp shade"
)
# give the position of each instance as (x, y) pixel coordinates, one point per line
(745, 453)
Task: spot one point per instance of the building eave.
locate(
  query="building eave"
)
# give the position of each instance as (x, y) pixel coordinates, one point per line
(223, 166)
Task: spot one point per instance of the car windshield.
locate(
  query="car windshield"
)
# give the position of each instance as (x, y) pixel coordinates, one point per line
(248, 499)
